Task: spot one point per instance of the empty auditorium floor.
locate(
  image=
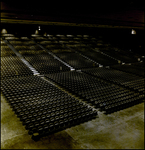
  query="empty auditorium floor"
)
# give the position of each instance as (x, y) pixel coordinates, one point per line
(120, 130)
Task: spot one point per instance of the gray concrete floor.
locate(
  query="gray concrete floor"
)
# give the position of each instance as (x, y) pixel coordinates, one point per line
(120, 130)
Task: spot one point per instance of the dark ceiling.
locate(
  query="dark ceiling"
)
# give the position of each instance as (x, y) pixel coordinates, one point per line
(107, 14)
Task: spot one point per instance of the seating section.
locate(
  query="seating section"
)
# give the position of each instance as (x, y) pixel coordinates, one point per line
(137, 85)
(34, 70)
(118, 77)
(42, 107)
(135, 68)
(97, 48)
(5, 50)
(12, 66)
(26, 46)
(75, 60)
(123, 56)
(45, 64)
(84, 44)
(100, 94)
(49, 44)
(100, 58)
(94, 48)
(37, 57)
(69, 56)
(139, 64)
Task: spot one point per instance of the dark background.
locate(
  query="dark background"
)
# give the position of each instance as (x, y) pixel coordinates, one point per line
(113, 20)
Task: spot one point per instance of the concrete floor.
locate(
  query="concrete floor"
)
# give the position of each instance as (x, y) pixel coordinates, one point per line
(120, 130)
